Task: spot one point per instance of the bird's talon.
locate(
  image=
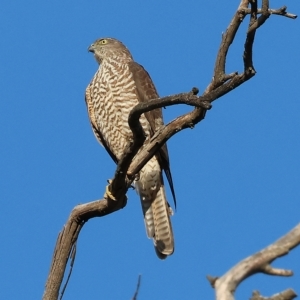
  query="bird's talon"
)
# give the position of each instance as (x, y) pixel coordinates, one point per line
(108, 194)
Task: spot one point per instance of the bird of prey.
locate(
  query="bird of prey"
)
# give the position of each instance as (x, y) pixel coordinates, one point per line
(118, 85)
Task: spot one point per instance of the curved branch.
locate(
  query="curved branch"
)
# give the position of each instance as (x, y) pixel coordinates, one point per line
(259, 262)
(134, 158)
(137, 288)
(68, 237)
(285, 295)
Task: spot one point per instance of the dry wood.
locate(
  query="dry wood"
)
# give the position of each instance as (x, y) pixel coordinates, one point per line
(259, 262)
(133, 161)
(285, 295)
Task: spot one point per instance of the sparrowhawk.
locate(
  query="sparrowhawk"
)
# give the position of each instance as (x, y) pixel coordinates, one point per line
(118, 85)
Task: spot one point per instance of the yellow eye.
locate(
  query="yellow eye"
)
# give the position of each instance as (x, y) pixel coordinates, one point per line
(103, 42)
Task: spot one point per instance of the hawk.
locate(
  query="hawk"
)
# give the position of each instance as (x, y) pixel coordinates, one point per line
(117, 87)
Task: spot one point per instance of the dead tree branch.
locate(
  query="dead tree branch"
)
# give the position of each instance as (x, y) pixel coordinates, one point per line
(68, 236)
(259, 262)
(137, 288)
(285, 295)
(280, 12)
(134, 159)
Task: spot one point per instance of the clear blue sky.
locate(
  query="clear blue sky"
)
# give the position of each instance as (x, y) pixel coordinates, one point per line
(236, 175)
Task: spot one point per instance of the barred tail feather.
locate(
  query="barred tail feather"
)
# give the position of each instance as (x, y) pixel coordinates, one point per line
(163, 240)
(156, 209)
(148, 216)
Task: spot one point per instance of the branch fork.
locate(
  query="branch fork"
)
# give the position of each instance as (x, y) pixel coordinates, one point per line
(134, 159)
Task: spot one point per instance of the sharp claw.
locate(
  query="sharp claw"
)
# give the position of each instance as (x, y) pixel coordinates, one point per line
(108, 194)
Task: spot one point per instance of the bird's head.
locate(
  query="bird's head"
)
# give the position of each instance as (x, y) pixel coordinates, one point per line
(110, 49)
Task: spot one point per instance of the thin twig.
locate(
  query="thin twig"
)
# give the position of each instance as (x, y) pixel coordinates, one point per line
(280, 12)
(288, 294)
(137, 288)
(72, 258)
(133, 159)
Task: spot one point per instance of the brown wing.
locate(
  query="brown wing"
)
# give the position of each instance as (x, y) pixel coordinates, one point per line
(91, 113)
(147, 91)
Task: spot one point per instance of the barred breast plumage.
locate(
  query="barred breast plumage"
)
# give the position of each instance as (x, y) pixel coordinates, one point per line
(118, 86)
(114, 97)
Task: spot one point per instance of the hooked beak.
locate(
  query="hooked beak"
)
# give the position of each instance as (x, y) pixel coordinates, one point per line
(91, 48)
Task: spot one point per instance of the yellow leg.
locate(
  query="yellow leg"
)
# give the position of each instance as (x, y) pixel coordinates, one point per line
(108, 194)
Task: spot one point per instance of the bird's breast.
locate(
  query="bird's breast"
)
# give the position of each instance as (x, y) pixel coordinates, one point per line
(114, 96)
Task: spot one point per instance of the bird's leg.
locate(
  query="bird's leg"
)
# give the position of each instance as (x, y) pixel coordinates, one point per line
(108, 194)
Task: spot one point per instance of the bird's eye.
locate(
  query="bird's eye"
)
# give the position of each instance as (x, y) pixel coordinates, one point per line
(103, 42)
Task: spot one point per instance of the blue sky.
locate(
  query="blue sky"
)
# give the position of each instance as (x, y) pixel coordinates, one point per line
(236, 174)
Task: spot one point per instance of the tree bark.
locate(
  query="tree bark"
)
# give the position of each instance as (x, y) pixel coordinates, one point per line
(133, 160)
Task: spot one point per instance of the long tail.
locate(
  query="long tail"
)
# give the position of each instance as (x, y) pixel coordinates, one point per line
(156, 209)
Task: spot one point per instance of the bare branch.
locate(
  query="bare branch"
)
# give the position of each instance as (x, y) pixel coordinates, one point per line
(226, 285)
(68, 237)
(212, 280)
(221, 84)
(137, 288)
(268, 269)
(280, 12)
(72, 257)
(265, 14)
(134, 158)
(285, 295)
